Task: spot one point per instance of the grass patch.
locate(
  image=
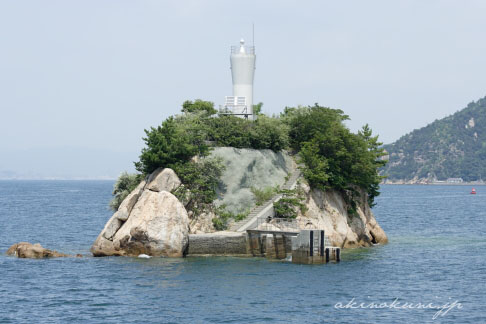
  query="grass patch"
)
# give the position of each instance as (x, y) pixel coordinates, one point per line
(223, 217)
(262, 195)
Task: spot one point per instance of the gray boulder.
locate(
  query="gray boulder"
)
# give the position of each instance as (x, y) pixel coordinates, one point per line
(128, 203)
(328, 210)
(149, 221)
(163, 180)
(158, 226)
(33, 251)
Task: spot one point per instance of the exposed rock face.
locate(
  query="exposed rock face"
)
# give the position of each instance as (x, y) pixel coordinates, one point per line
(150, 221)
(153, 222)
(163, 180)
(127, 204)
(158, 226)
(33, 251)
(328, 211)
(247, 168)
(203, 223)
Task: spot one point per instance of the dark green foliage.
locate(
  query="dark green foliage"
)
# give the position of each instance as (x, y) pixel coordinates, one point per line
(264, 133)
(220, 222)
(269, 133)
(171, 143)
(257, 109)
(230, 131)
(223, 217)
(180, 138)
(262, 195)
(370, 163)
(125, 184)
(200, 181)
(446, 148)
(333, 156)
(206, 107)
(316, 166)
(289, 204)
(307, 122)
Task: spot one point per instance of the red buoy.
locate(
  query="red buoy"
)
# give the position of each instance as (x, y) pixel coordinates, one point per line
(473, 191)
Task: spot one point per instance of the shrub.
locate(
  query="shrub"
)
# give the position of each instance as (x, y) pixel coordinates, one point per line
(200, 181)
(175, 141)
(206, 107)
(262, 195)
(223, 217)
(220, 222)
(269, 133)
(334, 157)
(289, 204)
(257, 109)
(125, 184)
(230, 131)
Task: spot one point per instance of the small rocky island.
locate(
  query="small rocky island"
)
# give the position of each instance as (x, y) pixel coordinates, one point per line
(206, 182)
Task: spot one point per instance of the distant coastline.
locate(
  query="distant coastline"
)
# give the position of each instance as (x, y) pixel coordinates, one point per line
(61, 179)
(437, 183)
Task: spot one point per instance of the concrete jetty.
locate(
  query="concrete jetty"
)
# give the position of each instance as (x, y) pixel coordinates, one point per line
(301, 246)
(310, 247)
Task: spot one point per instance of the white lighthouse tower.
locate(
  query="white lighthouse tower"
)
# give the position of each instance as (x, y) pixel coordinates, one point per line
(242, 72)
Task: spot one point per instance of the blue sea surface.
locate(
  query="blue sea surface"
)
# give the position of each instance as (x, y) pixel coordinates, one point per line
(436, 256)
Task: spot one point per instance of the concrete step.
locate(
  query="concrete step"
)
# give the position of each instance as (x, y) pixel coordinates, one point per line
(254, 213)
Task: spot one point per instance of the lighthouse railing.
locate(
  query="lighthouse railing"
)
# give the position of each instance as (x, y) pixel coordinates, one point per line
(248, 49)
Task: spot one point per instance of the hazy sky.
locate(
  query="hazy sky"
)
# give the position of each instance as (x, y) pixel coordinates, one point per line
(89, 76)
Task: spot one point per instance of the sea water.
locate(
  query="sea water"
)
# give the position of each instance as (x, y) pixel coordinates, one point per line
(432, 271)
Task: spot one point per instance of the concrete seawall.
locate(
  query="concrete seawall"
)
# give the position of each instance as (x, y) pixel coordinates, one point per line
(307, 247)
(219, 243)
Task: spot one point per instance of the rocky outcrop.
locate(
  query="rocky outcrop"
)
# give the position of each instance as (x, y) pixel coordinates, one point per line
(328, 210)
(163, 180)
(127, 204)
(33, 251)
(202, 223)
(150, 221)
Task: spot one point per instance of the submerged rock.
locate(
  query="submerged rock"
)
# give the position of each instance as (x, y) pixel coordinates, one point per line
(33, 251)
(157, 223)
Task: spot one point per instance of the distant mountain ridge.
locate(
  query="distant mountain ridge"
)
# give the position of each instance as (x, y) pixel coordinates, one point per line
(452, 147)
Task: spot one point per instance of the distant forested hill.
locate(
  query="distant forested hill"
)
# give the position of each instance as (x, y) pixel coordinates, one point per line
(453, 147)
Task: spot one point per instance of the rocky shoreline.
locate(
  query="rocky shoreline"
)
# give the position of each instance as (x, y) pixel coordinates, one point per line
(152, 221)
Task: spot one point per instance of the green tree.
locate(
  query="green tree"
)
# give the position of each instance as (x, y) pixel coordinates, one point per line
(257, 109)
(172, 142)
(200, 180)
(199, 106)
(269, 133)
(333, 156)
(230, 131)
